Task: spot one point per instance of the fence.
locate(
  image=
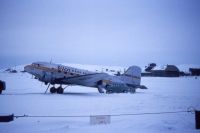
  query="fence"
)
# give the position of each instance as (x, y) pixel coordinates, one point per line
(105, 118)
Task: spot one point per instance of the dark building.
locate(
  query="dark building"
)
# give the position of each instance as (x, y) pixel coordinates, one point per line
(168, 71)
(195, 71)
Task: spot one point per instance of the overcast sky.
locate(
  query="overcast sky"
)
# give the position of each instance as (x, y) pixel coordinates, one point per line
(102, 32)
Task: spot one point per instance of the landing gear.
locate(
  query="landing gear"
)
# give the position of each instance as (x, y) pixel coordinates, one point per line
(100, 89)
(132, 90)
(60, 90)
(47, 88)
(125, 91)
(109, 91)
(53, 89)
(100, 86)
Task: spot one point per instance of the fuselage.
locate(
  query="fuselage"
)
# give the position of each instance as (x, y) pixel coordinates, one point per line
(60, 74)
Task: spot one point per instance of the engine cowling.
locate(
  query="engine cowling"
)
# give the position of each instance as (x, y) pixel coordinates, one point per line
(117, 88)
(114, 87)
(46, 77)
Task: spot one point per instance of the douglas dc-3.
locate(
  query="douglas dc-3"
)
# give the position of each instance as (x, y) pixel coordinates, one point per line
(52, 74)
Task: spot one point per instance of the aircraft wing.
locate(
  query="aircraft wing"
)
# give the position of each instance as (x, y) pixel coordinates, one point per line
(86, 80)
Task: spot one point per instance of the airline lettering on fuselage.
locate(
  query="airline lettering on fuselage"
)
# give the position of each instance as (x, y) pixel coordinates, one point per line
(65, 69)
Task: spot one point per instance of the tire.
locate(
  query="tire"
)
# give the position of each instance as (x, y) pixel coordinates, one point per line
(132, 90)
(109, 91)
(125, 91)
(0, 91)
(53, 90)
(60, 90)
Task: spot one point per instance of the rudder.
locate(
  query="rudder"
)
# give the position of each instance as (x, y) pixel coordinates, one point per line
(133, 75)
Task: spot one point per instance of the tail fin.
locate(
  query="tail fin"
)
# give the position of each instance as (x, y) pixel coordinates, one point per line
(133, 75)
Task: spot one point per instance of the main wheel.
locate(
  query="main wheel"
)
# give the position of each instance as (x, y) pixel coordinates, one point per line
(53, 90)
(125, 91)
(0, 91)
(60, 90)
(109, 91)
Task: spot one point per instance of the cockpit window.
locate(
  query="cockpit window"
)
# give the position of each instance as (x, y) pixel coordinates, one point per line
(35, 64)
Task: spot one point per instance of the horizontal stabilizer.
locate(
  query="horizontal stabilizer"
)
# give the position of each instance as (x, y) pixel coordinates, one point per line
(142, 87)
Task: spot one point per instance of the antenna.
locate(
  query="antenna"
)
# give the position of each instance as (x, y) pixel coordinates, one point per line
(51, 61)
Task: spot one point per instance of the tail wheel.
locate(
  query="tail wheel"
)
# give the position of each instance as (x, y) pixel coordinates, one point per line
(53, 90)
(60, 90)
(132, 90)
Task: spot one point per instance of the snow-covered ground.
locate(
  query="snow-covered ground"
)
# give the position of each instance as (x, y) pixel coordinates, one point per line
(25, 95)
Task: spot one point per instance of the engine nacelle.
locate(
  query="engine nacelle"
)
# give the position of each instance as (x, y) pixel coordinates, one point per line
(46, 77)
(117, 88)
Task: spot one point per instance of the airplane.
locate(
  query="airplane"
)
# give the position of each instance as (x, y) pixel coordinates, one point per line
(52, 74)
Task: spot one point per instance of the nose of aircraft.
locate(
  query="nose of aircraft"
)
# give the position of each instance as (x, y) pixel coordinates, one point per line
(27, 68)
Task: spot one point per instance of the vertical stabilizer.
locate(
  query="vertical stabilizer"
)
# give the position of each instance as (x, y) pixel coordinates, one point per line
(133, 75)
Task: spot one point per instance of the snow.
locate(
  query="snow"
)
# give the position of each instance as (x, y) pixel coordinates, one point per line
(25, 95)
